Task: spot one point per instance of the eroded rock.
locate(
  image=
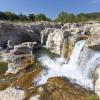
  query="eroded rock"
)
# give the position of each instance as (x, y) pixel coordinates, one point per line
(12, 94)
(19, 62)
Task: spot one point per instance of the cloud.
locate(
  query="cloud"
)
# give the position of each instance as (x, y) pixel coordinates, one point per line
(95, 2)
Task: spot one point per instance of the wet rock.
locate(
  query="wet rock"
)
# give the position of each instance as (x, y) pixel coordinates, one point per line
(97, 81)
(89, 61)
(68, 45)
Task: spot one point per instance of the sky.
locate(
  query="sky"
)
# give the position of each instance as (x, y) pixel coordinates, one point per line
(50, 8)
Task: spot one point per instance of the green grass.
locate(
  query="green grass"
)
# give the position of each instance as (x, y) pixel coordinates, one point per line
(93, 97)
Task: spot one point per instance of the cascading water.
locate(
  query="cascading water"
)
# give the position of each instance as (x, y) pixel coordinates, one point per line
(58, 67)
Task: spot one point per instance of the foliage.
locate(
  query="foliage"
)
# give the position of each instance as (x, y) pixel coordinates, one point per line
(41, 17)
(92, 97)
(22, 17)
(81, 17)
(65, 17)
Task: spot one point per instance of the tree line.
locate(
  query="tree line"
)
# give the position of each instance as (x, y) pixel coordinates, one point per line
(22, 17)
(63, 17)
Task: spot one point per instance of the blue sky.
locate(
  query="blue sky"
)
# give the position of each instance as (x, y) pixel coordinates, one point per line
(50, 7)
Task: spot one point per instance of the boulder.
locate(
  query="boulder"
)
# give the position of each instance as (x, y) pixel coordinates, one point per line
(62, 89)
(19, 62)
(21, 81)
(54, 41)
(45, 33)
(24, 48)
(66, 26)
(58, 88)
(66, 33)
(10, 44)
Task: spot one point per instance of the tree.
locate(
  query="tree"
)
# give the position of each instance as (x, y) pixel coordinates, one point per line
(65, 17)
(2, 16)
(31, 17)
(40, 17)
(23, 17)
(81, 17)
(62, 17)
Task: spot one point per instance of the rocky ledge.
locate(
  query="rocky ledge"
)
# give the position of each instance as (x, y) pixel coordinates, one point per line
(22, 67)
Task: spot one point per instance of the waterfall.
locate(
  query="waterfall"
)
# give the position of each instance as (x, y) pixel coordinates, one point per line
(71, 70)
(91, 64)
(76, 52)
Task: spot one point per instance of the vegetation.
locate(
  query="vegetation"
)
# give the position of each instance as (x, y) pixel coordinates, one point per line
(63, 17)
(9, 16)
(93, 97)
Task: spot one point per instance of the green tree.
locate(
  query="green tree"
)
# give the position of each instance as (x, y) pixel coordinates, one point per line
(62, 17)
(31, 17)
(41, 17)
(23, 17)
(65, 17)
(81, 17)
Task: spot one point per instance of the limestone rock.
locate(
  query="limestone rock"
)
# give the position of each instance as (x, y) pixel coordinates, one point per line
(19, 32)
(24, 48)
(97, 81)
(58, 88)
(26, 80)
(66, 26)
(45, 33)
(10, 44)
(18, 62)
(12, 94)
(54, 41)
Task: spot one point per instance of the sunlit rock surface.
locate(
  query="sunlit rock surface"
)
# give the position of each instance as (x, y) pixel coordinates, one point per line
(54, 41)
(78, 47)
(18, 62)
(12, 94)
(58, 88)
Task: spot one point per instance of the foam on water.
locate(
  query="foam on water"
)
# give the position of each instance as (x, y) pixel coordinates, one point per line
(58, 67)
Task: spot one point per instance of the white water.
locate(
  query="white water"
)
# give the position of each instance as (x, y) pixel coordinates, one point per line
(57, 67)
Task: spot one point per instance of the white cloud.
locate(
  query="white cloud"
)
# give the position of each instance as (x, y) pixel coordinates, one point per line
(95, 2)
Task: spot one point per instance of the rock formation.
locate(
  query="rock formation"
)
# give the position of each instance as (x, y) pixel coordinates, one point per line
(17, 41)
